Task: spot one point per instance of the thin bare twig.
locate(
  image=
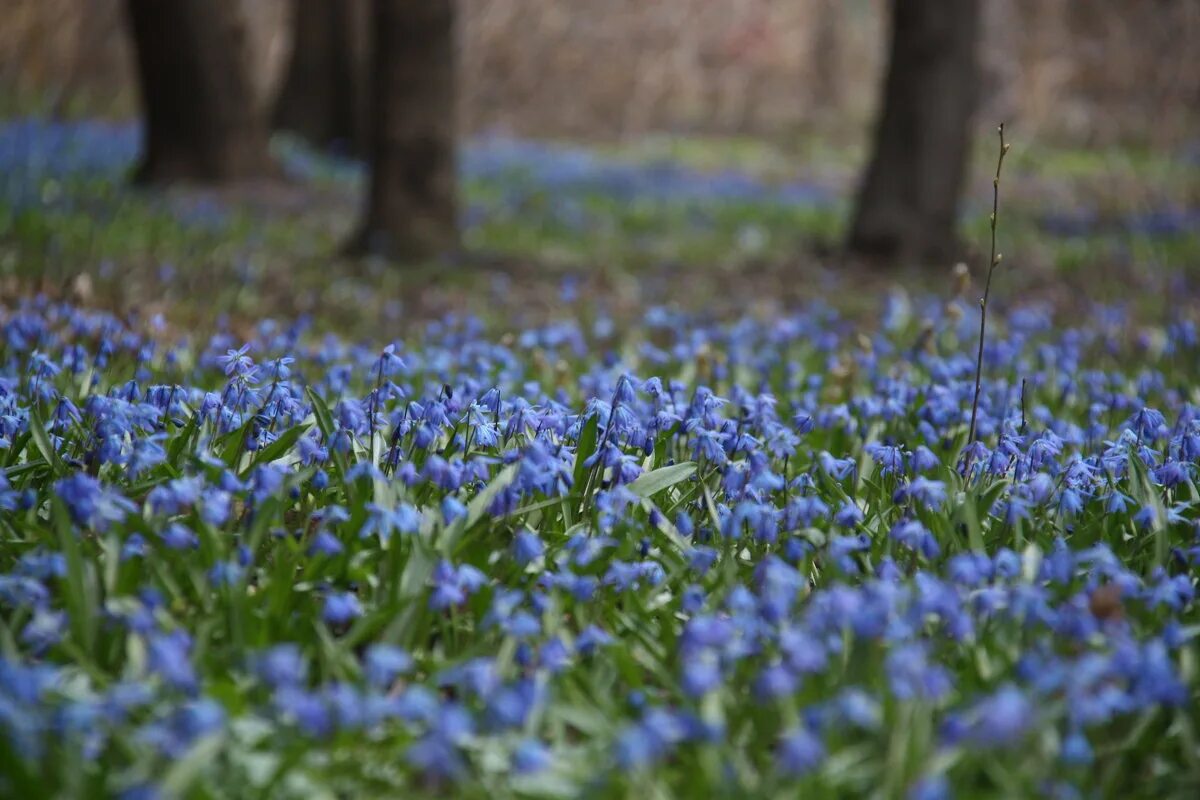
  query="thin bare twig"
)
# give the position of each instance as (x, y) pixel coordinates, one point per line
(1022, 405)
(987, 287)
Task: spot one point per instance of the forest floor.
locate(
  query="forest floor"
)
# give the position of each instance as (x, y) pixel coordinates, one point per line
(723, 225)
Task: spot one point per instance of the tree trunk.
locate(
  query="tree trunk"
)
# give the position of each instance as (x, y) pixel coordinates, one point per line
(411, 204)
(908, 202)
(324, 98)
(827, 88)
(203, 122)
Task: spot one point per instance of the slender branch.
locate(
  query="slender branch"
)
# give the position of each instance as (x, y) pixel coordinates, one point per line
(1022, 405)
(987, 287)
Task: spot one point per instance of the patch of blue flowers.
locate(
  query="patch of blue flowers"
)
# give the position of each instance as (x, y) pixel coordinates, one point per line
(515, 178)
(59, 180)
(34, 150)
(747, 559)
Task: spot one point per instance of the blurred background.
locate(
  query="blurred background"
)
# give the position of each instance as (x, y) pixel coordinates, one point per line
(611, 146)
(1098, 73)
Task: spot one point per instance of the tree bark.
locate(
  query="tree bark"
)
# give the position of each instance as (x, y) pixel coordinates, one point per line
(324, 98)
(908, 203)
(202, 120)
(827, 56)
(412, 208)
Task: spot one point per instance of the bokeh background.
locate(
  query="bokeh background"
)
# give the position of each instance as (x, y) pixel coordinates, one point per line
(1092, 72)
(613, 148)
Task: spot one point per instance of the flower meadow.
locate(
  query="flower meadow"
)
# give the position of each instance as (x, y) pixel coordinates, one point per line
(752, 558)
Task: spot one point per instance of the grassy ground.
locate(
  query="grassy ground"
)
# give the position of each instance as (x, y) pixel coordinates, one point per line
(736, 220)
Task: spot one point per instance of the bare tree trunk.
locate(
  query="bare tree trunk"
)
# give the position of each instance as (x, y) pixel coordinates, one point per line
(324, 97)
(826, 80)
(908, 202)
(412, 208)
(202, 120)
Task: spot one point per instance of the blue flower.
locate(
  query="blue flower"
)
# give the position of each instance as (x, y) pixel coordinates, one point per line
(326, 544)
(1076, 749)
(384, 662)
(9, 498)
(133, 547)
(282, 666)
(307, 710)
(176, 536)
(225, 573)
(530, 756)
(799, 752)
(146, 454)
(849, 515)
(436, 757)
(341, 608)
(1172, 473)
(140, 791)
(452, 585)
(911, 675)
(915, 536)
(44, 630)
(924, 459)
(590, 639)
(452, 509)
(170, 658)
(1069, 502)
(1148, 423)
(930, 494)
(889, 457)
(933, 787)
(237, 362)
(185, 725)
(91, 504)
(527, 547)
(636, 747)
(701, 674)
(384, 522)
(1002, 718)
(389, 363)
(775, 680)
(649, 740)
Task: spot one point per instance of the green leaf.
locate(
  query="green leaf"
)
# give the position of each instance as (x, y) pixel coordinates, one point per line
(320, 412)
(478, 506)
(278, 448)
(651, 483)
(235, 444)
(711, 505)
(546, 784)
(198, 760)
(586, 447)
(182, 441)
(965, 514)
(667, 528)
(26, 468)
(988, 497)
(538, 506)
(80, 599)
(18, 446)
(41, 439)
(417, 570)
(325, 424)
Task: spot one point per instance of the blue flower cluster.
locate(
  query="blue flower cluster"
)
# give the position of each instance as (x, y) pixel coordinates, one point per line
(33, 150)
(554, 185)
(734, 558)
